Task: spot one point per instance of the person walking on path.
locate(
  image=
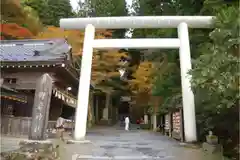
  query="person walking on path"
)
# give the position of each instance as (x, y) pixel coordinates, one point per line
(60, 127)
(127, 123)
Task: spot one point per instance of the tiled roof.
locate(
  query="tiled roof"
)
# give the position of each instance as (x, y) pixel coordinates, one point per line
(33, 50)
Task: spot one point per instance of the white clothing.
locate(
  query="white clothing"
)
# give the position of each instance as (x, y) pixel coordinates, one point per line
(127, 120)
(127, 126)
(60, 122)
(127, 123)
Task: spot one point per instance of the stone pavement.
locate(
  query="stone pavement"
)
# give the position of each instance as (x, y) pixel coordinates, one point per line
(10, 143)
(113, 143)
(116, 144)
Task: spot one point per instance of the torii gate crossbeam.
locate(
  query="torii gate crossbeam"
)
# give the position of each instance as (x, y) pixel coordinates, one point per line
(181, 43)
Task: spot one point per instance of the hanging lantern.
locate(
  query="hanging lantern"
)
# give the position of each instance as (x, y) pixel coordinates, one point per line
(59, 95)
(54, 91)
(56, 94)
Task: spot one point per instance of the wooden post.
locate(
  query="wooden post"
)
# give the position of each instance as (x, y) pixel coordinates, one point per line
(156, 101)
(97, 109)
(106, 108)
(90, 117)
(166, 126)
(181, 125)
(155, 114)
(41, 106)
(110, 109)
(92, 106)
(1, 81)
(145, 116)
(170, 124)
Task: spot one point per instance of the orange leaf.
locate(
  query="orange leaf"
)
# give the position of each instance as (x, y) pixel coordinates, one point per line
(15, 30)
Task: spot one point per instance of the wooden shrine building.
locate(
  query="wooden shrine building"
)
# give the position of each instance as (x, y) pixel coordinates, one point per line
(22, 63)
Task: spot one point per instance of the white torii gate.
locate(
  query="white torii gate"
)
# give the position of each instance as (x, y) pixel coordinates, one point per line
(181, 43)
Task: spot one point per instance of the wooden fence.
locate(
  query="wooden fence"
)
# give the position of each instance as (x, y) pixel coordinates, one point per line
(17, 126)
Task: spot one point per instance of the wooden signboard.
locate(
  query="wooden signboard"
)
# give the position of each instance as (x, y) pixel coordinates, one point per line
(177, 125)
(167, 125)
(176, 122)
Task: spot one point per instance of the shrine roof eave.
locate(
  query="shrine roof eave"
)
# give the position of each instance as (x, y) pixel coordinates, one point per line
(31, 64)
(56, 66)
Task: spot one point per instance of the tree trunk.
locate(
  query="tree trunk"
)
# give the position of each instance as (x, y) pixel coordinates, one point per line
(154, 119)
(97, 110)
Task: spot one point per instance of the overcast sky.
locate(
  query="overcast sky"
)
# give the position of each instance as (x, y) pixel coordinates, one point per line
(74, 3)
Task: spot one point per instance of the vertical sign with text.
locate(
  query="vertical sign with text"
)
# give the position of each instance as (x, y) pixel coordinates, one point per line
(41, 106)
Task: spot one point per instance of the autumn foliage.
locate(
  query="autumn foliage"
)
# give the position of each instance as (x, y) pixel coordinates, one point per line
(142, 82)
(15, 31)
(143, 78)
(14, 16)
(74, 37)
(105, 63)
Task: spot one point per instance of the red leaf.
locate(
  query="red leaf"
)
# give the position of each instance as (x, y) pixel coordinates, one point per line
(15, 30)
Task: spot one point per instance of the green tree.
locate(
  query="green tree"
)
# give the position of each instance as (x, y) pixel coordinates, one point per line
(40, 7)
(50, 12)
(167, 77)
(109, 8)
(215, 66)
(216, 78)
(216, 69)
(58, 9)
(105, 8)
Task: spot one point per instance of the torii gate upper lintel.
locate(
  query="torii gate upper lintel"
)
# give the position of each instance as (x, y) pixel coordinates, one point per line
(181, 43)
